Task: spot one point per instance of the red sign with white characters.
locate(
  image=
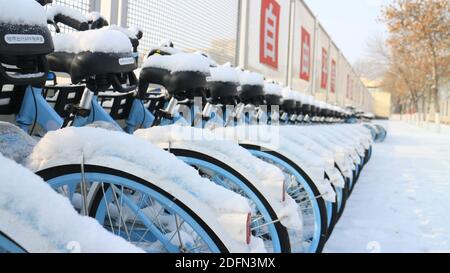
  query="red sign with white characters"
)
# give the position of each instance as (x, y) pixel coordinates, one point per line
(269, 35)
(333, 77)
(305, 65)
(324, 79)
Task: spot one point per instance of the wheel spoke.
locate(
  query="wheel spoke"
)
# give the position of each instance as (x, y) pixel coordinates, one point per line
(135, 216)
(120, 207)
(107, 207)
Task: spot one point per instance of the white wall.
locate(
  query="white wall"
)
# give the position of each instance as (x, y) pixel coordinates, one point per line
(295, 15)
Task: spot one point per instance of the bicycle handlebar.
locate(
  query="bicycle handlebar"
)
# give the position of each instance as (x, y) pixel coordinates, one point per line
(99, 23)
(71, 22)
(68, 17)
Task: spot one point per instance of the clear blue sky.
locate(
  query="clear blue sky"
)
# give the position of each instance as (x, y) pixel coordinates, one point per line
(351, 23)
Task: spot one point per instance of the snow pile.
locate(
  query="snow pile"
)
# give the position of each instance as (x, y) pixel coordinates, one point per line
(301, 97)
(267, 178)
(309, 162)
(287, 94)
(130, 32)
(251, 78)
(350, 141)
(223, 74)
(362, 134)
(211, 61)
(56, 10)
(402, 201)
(343, 155)
(309, 100)
(134, 155)
(15, 144)
(179, 62)
(166, 49)
(98, 40)
(94, 16)
(41, 220)
(22, 12)
(326, 155)
(271, 88)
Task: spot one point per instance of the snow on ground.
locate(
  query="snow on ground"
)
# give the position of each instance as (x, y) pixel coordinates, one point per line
(402, 201)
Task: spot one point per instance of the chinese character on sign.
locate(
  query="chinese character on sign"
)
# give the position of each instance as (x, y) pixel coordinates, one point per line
(270, 26)
(324, 81)
(24, 39)
(333, 77)
(305, 65)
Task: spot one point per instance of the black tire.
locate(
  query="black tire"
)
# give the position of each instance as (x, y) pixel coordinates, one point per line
(334, 217)
(347, 197)
(282, 232)
(352, 186)
(320, 201)
(346, 194)
(55, 172)
(368, 155)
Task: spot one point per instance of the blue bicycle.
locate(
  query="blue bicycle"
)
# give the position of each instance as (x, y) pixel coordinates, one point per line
(140, 211)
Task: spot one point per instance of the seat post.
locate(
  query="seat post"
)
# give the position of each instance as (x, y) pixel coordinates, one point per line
(86, 99)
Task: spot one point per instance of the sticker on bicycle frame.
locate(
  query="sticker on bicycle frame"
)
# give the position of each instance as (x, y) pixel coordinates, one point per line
(24, 39)
(126, 61)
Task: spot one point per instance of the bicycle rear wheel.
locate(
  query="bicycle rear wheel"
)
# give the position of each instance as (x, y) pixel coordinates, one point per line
(307, 196)
(264, 222)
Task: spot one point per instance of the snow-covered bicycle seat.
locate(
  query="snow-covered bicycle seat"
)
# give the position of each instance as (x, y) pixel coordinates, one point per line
(252, 86)
(314, 107)
(223, 83)
(178, 73)
(91, 53)
(24, 41)
(306, 105)
(289, 103)
(324, 109)
(299, 98)
(273, 93)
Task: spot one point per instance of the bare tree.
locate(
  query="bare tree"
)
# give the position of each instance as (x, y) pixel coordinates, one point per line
(419, 41)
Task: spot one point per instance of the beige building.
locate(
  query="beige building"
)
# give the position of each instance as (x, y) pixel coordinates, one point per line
(381, 99)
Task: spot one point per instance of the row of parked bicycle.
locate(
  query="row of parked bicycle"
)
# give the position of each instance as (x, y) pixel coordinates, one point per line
(189, 156)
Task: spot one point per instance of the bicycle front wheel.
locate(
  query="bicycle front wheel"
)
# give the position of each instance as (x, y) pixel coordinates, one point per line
(135, 209)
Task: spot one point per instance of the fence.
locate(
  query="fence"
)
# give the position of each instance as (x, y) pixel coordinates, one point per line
(280, 38)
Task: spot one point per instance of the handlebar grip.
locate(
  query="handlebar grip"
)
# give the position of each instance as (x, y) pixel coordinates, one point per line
(71, 22)
(99, 23)
(140, 34)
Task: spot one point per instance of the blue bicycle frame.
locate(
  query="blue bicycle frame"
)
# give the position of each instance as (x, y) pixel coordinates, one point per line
(36, 110)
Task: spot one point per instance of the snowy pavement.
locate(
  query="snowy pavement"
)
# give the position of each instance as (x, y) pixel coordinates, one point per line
(402, 201)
